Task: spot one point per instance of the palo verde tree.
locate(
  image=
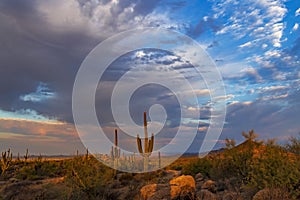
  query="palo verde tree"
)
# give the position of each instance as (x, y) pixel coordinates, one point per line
(251, 135)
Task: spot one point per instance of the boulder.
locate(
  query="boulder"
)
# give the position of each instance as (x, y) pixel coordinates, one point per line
(199, 177)
(183, 187)
(148, 191)
(209, 185)
(155, 192)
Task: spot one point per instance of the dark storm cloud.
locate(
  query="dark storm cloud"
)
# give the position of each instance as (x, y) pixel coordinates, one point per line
(34, 52)
(16, 7)
(28, 60)
(269, 120)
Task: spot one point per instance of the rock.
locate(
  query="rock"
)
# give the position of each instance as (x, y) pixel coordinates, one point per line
(162, 192)
(274, 194)
(156, 192)
(148, 191)
(206, 195)
(183, 187)
(209, 185)
(174, 173)
(199, 177)
(13, 180)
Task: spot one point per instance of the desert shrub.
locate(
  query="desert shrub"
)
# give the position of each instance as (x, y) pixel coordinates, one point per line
(273, 194)
(40, 170)
(202, 165)
(293, 145)
(88, 178)
(274, 168)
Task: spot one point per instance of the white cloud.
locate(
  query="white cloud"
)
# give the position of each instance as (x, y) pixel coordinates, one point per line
(42, 93)
(232, 70)
(203, 92)
(264, 46)
(262, 20)
(297, 12)
(295, 27)
(246, 103)
(27, 115)
(238, 70)
(272, 88)
(276, 34)
(280, 76)
(272, 53)
(62, 14)
(100, 19)
(247, 44)
(140, 54)
(226, 97)
(252, 71)
(268, 98)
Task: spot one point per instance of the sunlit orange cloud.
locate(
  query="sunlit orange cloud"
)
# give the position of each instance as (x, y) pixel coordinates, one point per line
(27, 127)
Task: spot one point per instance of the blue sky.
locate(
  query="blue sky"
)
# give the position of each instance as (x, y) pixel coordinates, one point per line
(255, 45)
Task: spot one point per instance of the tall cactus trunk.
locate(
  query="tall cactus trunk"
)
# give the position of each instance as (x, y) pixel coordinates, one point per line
(146, 157)
(146, 163)
(145, 133)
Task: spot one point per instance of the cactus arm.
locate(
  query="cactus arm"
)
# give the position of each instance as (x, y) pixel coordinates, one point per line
(116, 137)
(112, 153)
(139, 143)
(151, 142)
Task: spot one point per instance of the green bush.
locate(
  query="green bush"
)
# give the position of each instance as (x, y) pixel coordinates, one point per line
(88, 178)
(275, 169)
(202, 165)
(40, 170)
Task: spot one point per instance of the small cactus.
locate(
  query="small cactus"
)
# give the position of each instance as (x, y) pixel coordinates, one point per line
(115, 151)
(148, 144)
(26, 155)
(18, 157)
(87, 154)
(159, 161)
(6, 160)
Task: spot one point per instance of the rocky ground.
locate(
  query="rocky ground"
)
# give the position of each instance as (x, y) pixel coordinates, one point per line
(168, 185)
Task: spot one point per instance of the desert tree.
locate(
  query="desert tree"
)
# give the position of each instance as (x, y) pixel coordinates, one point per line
(230, 143)
(294, 145)
(251, 135)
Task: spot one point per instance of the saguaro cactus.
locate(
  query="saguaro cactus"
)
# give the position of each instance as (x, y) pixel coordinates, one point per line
(26, 155)
(115, 151)
(148, 144)
(159, 162)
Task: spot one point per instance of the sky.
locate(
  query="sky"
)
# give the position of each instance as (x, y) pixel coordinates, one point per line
(255, 45)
